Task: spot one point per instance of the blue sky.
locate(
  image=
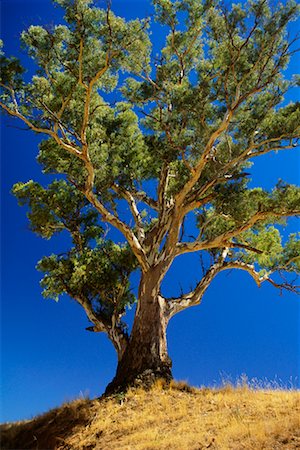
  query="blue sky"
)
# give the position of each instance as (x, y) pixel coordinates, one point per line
(48, 357)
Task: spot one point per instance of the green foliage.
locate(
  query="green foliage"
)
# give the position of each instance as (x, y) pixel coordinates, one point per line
(240, 203)
(194, 117)
(274, 254)
(235, 204)
(268, 241)
(58, 207)
(95, 269)
(99, 276)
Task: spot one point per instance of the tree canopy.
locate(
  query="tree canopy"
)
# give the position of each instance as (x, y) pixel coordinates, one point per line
(171, 136)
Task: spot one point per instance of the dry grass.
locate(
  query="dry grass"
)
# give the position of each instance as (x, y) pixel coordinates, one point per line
(177, 418)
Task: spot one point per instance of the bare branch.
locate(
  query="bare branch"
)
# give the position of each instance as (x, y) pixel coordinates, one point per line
(113, 330)
(133, 208)
(194, 297)
(260, 279)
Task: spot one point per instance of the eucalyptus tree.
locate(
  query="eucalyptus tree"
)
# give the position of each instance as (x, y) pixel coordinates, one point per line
(143, 144)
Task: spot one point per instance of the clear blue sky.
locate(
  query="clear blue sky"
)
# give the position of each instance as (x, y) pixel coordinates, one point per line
(48, 357)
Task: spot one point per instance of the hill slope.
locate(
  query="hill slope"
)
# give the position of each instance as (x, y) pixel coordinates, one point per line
(172, 418)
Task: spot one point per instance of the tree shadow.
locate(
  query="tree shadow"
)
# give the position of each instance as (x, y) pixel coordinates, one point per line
(48, 431)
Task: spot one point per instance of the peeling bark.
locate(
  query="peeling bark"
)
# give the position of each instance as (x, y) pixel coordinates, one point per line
(146, 356)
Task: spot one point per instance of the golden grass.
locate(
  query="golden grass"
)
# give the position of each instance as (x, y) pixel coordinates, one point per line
(176, 418)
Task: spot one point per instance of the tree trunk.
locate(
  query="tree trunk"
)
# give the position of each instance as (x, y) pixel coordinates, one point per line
(146, 357)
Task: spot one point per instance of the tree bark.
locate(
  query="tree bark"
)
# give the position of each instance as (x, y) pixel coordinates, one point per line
(146, 357)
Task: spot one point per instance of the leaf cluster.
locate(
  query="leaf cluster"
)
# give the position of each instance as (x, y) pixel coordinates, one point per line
(95, 269)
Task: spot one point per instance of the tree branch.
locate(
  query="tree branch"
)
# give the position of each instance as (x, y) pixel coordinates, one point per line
(133, 208)
(196, 171)
(143, 197)
(66, 146)
(194, 297)
(114, 332)
(257, 278)
(121, 226)
(88, 191)
(222, 240)
(196, 202)
(246, 247)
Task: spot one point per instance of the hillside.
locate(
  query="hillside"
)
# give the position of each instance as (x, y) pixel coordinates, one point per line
(172, 418)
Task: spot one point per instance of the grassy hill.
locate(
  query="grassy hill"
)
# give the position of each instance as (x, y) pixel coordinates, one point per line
(177, 418)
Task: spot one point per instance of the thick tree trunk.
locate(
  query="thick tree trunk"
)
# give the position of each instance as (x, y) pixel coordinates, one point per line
(146, 357)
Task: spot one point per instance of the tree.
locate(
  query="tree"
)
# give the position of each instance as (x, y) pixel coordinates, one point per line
(187, 125)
